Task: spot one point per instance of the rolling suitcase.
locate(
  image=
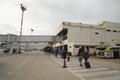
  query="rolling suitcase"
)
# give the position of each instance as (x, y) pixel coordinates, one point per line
(87, 65)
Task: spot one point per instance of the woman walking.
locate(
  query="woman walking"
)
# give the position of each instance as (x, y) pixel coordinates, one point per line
(81, 54)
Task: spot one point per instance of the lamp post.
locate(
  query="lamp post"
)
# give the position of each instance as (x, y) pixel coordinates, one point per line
(32, 31)
(23, 9)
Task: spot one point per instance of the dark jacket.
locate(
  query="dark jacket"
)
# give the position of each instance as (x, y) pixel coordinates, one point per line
(86, 55)
(64, 54)
(80, 52)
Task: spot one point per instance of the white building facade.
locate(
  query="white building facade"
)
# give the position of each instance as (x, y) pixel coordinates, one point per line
(75, 35)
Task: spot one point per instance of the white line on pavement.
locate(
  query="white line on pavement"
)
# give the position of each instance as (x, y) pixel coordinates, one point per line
(90, 70)
(10, 73)
(81, 78)
(109, 78)
(98, 73)
(18, 66)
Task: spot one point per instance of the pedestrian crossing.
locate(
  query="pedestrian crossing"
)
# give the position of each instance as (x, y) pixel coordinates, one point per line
(94, 73)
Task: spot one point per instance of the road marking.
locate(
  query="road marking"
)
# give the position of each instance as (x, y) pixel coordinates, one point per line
(97, 73)
(26, 60)
(57, 61)
(71, 65)
(90, 70)
(109, 78)
(81, 78)
(18, 66)
(60, 61)
(10, 73)
(82, 72)
(76, 67)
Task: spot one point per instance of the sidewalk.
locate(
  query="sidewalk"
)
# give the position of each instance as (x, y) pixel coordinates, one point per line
(45, 68)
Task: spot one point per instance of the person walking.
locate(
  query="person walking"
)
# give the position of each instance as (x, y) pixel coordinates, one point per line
(61, 52)
(64, 58)
(56, 52)
(86, 56)
(80, 54)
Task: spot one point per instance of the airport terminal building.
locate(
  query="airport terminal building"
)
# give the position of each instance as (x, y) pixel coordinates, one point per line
(71, 36)
(74, 35)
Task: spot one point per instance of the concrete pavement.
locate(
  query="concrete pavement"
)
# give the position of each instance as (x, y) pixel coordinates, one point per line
(32, 66)
(101, 69)
(44, 68)
(37, 65)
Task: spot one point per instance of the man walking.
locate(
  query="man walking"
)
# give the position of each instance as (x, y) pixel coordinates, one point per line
(61, 52)
(81, 54)
(56, 52)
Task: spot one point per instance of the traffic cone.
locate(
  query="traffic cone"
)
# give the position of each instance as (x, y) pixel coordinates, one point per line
(64, 64)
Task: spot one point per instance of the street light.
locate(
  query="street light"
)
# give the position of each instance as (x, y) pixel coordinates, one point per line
(23, 9)
(32, 31)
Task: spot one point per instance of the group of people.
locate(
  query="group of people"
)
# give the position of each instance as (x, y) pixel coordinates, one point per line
(63, 53)
(83, 53)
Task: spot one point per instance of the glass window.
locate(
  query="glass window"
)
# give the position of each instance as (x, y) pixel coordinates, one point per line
(76, 46)
(96, 32)
(108, 30)
(114, 30)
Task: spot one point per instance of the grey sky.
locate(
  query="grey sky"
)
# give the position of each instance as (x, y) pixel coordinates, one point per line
(44, 16)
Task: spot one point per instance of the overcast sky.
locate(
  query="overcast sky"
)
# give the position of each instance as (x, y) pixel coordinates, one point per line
(44, 16)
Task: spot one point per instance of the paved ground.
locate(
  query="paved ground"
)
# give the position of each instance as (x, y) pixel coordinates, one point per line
(101, 69)
(39, 66)
(32, 66)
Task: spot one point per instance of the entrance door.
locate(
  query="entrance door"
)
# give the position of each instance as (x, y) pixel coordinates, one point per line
(66, 48)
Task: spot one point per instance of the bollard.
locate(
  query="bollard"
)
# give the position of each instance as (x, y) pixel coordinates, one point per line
(64, 64)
